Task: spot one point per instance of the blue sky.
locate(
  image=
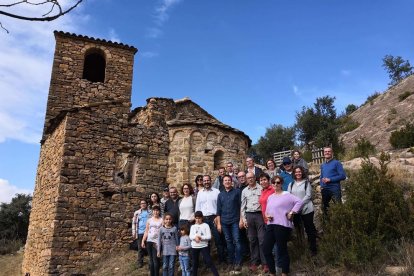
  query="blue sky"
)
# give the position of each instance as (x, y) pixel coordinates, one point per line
(248, 63)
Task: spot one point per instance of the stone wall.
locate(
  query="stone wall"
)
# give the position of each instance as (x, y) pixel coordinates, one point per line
(68, 89)
(150, 146)
(39, 245)
(193, 150)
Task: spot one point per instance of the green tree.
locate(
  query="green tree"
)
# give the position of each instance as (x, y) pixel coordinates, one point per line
(350, 108)
(276, 138)
(397, 68)
(318, 124)
(14, 218)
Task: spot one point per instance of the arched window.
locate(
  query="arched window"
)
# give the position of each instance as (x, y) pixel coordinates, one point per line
(94, 66)
(218, 159)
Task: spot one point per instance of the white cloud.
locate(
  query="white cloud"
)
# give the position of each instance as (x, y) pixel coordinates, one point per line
(161, 12)
(8, 191)
(161, 15)
(296, 90)
(26, 56)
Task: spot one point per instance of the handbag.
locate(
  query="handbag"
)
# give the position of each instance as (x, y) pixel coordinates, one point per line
(133, 245)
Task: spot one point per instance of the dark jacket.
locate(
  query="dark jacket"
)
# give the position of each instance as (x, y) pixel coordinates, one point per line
(171, 207)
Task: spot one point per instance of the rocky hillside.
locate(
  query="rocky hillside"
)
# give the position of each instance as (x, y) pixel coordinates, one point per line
(383, 115)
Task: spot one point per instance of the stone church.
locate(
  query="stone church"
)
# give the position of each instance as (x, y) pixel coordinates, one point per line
(98, 158)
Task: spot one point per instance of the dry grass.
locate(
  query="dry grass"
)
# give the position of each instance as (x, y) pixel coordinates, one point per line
(402, 175)
(10, 265)
(124, 263)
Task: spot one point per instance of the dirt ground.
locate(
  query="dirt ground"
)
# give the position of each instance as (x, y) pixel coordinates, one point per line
(11, 264)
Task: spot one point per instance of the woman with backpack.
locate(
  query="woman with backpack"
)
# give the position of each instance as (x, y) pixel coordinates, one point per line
(302, 188)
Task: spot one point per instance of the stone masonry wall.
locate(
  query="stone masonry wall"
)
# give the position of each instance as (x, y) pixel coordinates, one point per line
(150, 140)
(192, 151)
(39, 245)
(68, 89)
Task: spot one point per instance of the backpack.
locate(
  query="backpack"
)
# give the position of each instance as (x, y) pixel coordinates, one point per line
(306, 187)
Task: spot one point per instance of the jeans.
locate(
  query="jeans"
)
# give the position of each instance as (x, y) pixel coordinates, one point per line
(232, 235)
(185, 265)
(216, 236)
(327, 196)
(141, 251)
(154, 262)
(306, 220)
(279, 234)
(168, 265)
(205, 251)
(184, 222)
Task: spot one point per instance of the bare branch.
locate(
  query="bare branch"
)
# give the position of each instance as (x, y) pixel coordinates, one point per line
(54, 4)
(1, 26)
(25, 2)
(12, 4)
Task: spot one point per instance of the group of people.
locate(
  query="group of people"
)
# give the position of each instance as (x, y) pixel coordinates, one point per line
(246, 213)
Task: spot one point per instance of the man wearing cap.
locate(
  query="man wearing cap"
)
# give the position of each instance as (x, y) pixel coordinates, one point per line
(165, 197)
(286, 174)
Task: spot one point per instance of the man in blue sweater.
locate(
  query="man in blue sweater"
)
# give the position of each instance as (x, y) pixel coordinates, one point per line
(228, 221)
(332, 173)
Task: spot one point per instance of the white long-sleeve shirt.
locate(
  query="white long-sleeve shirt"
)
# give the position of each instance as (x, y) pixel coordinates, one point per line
(207, 201)
(202, 230)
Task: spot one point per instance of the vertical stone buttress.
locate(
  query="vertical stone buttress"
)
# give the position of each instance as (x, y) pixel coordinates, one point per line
(78, 210)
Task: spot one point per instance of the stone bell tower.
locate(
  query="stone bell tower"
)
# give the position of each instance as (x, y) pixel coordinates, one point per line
(75, 216)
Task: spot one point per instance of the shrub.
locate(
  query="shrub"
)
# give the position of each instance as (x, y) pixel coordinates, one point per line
(9, 246)
(371, 98)
(403, 138)
(347, 124)
(404, 95)
(363, 148)
(373, 218)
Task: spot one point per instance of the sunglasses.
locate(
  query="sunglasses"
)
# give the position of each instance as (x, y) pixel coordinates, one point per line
(277, 182)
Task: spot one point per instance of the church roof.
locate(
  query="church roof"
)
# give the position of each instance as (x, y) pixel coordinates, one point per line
(96, 40)
(190, 113)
